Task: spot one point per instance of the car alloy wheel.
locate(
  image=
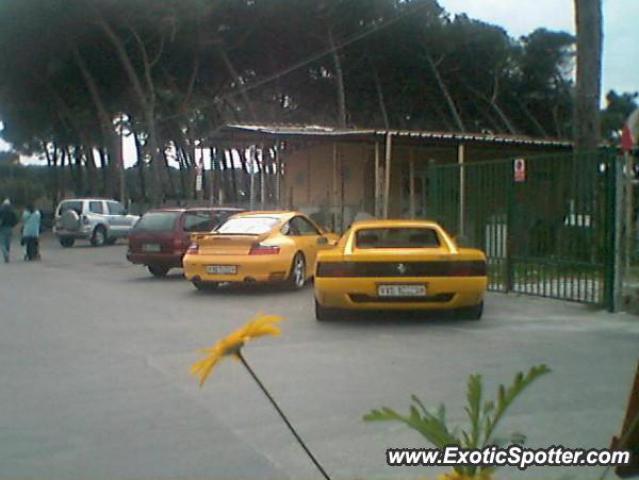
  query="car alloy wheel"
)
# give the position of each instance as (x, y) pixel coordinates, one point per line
(67, 242)
(99, 237)
(297, 278)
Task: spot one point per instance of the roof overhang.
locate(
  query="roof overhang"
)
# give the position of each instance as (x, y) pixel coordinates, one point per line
(250, 133)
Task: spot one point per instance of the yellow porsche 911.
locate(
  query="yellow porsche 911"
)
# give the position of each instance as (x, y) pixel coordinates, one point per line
(256, 247)
(399, 265)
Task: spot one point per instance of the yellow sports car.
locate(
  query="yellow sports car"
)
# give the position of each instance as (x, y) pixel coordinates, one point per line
(256, 247)
(399, 264)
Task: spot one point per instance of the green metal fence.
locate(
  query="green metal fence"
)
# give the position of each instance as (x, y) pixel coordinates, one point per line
(546, 224)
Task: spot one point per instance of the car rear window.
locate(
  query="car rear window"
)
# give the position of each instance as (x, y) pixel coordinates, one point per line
(70, 205)
(397, 238)
(157, 221)
(198, 222)
(247, 225)
(220, 216)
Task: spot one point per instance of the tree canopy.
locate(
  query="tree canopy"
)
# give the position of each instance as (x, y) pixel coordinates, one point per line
(171, 71)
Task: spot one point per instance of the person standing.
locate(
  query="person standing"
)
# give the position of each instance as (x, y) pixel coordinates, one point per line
(8, 220)
(31, 232)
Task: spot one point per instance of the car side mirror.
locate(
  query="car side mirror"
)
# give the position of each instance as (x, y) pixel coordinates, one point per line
(323, 241)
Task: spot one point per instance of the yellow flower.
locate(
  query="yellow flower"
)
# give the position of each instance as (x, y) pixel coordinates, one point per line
(461, 476)
(259, 326)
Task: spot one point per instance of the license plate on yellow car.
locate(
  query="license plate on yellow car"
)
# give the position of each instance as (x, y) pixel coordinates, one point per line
(221, 269)
(401, 290)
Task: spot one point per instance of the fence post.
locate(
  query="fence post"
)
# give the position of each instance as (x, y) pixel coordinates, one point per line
(612, 282)
(510, 204)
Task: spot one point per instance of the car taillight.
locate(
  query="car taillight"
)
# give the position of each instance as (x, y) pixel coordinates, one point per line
(85, 220)
(335, 269)
(475, 268)
(193, 249)
(259, 249)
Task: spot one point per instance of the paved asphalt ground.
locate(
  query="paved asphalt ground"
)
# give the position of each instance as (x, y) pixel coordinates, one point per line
(94, 382)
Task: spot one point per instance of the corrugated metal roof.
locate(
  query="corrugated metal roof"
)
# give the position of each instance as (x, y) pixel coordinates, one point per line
(327, 131)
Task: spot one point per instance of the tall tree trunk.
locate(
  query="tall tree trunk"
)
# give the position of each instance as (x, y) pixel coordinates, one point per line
(588, 21)
(141, 163)
(104, 165)
(147, 102)
(89, 159)
(62, 187)
(380, 94)
(444, 89)
(109, 136)
(238, 81)
(169, 174)
(339, 76)
(78, 175)
(540, 129)
(51, 156)
(233, 176)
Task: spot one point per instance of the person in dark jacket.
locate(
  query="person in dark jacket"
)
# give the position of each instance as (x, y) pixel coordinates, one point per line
(8, 220)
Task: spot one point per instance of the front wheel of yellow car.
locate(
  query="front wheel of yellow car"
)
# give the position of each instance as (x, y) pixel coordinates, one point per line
(205, 286)
(471, 313)
(323, 313)
(297, 277)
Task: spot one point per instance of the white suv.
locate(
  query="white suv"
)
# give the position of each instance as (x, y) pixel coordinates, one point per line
(95, 219)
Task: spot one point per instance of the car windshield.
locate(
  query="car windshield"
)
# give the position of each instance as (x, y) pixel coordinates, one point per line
(397, 238)
(247, 225)
(157, 221)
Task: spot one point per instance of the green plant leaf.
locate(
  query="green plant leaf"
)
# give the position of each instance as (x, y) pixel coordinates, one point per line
(473, 396)
(428, 425)
(505, 397)
(517, 438)
(489, 406)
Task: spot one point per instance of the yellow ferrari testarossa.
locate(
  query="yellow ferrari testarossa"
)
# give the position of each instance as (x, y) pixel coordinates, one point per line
(278, 246)
(399, 265)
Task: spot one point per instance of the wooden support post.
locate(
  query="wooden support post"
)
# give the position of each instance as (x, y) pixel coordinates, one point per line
(462, 192)
(629, 201)
(278, 177)
(387, 173)
(252, 165)
(211, 178)
(262, 178)
(411, 182)
(334, 195)
(377, 202)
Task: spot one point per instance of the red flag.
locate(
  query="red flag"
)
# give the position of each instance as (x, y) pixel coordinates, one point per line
(630, 131)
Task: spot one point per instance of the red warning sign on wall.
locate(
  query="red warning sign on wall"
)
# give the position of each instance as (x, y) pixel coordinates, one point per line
(519, 169)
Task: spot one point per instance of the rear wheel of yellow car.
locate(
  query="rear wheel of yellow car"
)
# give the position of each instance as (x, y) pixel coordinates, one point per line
(205, 286)
(471, 313)
(297, 277)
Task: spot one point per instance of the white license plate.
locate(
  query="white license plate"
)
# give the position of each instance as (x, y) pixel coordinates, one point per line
(150, 247)
(222, 269)
(401, 290)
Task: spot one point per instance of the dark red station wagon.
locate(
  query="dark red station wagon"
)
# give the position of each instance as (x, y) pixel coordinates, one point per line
(160, 238)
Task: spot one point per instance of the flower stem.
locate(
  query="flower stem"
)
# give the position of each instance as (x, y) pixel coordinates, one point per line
(281, 413)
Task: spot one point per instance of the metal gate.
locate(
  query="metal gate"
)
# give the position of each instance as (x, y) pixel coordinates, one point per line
(547, 223)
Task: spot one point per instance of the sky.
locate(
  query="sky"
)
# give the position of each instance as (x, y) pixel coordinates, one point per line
(521, 17)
